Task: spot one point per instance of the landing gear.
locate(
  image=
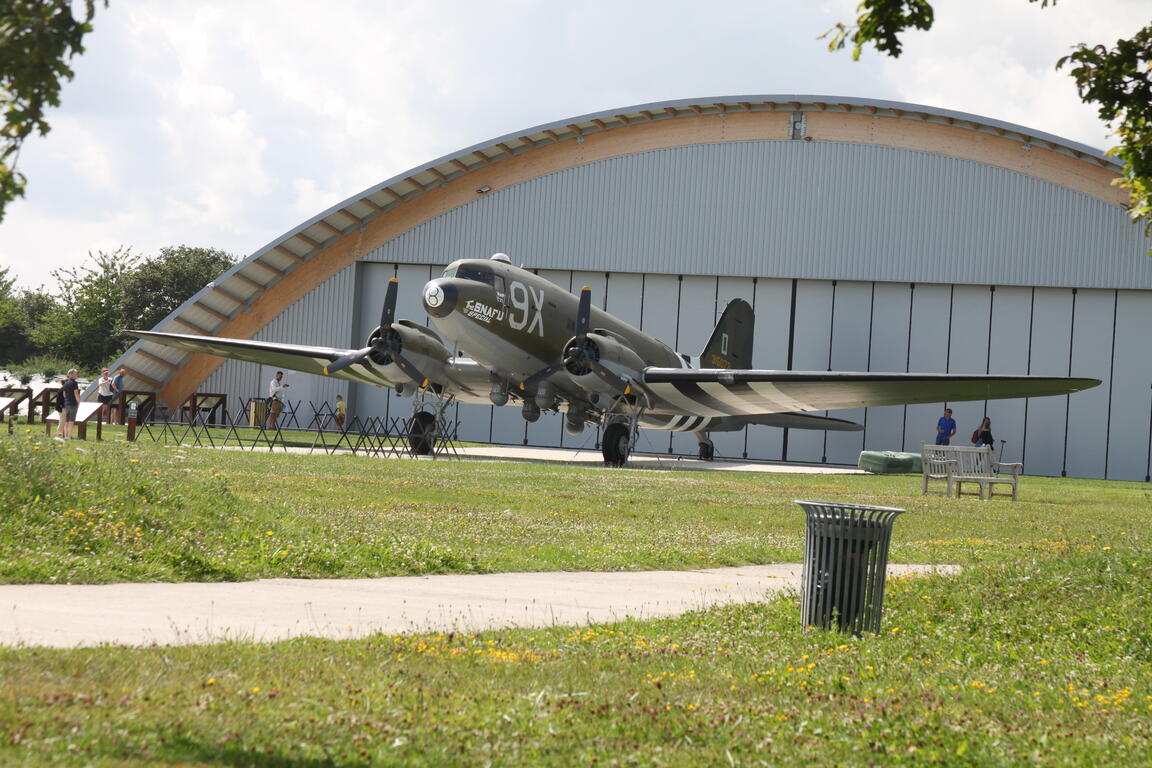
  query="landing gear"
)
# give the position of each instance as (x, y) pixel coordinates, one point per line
(427, 423)
(422, 434)
(707, 450)
(621, 423)
(617, 444)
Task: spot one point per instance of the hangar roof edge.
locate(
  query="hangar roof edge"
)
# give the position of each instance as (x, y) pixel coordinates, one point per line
(421, 178)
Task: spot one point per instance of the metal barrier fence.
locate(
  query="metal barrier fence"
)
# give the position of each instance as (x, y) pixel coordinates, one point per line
(252, 428)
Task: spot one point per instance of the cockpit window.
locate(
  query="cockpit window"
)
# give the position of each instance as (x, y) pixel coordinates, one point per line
(479, 275)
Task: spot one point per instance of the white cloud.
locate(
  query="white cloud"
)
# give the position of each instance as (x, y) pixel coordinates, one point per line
(998, 60)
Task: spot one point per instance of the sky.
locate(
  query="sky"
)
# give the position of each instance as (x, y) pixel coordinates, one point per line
(226, 124)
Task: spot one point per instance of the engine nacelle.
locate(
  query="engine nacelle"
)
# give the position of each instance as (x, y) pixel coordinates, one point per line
(416, 342)
(612, 353)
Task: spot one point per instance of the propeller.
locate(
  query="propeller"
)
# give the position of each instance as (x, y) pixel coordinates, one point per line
(581, 355)
(387, 344)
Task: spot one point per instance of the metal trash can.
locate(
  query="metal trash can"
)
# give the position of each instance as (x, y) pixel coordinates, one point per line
(845, 559)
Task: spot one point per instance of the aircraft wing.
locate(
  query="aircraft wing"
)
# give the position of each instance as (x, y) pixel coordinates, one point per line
(721, 392)
(462, 377)
(293, 357)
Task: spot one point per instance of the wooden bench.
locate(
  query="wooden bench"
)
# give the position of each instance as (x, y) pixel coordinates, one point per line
(955, 465)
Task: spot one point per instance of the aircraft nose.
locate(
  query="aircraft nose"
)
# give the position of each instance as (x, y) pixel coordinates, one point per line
(439, 298)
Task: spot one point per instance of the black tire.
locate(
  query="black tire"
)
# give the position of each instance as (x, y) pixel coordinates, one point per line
(422, 434)
(616, 444)
(707, 451)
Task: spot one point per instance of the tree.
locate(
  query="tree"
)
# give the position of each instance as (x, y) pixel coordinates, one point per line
(37, 37)
(159, 285)
(85, 324)
(11, 319)
(19, 312)
(1119, 80)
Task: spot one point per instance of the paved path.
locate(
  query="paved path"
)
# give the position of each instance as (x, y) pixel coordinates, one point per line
(593, 457)
(274, 609)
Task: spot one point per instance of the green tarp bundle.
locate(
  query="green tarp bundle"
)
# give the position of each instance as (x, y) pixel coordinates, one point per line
(890, 462)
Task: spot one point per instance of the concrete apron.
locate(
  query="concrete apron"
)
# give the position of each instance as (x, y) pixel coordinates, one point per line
(67, 616)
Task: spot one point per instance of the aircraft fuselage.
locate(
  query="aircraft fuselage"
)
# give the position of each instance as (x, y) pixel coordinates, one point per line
(516, 323)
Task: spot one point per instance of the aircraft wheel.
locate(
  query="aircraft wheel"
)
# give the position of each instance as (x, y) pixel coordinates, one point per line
(422, 434)
(707, 451)
(616, 444)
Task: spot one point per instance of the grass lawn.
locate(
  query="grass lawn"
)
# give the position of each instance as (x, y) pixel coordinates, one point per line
(1040, 652)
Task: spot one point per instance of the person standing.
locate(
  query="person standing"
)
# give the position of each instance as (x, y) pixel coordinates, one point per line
(104, 392)
(984, 434)
(117, 395)
(71, 392)
(945, 428)
(275, 403)
(341, 411)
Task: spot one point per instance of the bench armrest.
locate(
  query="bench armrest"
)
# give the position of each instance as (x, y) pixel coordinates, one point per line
(1013, 467)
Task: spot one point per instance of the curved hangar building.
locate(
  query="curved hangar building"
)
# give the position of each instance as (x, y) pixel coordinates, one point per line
(867, 235)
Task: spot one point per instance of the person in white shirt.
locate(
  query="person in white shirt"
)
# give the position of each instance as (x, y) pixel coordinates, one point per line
(104, 392)
(275, 403)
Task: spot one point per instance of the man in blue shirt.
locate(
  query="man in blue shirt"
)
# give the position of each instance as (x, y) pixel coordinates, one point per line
(71, 392)
(945, 428)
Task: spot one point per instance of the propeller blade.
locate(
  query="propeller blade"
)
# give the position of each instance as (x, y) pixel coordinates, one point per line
(388, 314)
(412, 371)
(622, 384)
(584, 312)
(341, 363)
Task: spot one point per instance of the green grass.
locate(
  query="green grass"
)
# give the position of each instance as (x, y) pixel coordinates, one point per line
(1044, 660)
(1040, 652)
(92, 513)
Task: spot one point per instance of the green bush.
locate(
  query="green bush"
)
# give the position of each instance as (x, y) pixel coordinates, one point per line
(48, 366)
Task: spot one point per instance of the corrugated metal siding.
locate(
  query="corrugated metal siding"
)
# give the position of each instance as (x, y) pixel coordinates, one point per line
(324, 316)
(815, 210)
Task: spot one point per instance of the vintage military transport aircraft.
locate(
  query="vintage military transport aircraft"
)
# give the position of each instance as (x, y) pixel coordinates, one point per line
(533, 343)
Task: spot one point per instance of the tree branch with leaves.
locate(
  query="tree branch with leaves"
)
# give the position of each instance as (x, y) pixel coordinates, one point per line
(37, 38)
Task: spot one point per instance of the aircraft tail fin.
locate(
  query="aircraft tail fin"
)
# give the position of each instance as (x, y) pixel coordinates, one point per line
(731, 342)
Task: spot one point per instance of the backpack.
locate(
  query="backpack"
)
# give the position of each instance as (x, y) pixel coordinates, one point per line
(976, 436)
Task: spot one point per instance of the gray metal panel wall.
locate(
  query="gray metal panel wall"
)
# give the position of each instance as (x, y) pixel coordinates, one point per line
(321, 317)
(848, 351)
(1049, 353)
(1011, 310)
(817, 210)
(888, 351)
(1130, 403)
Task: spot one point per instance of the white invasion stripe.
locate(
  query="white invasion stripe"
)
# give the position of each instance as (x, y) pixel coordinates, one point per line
(725, 395)
(680, 402)
(787, 404)
(668, 426)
